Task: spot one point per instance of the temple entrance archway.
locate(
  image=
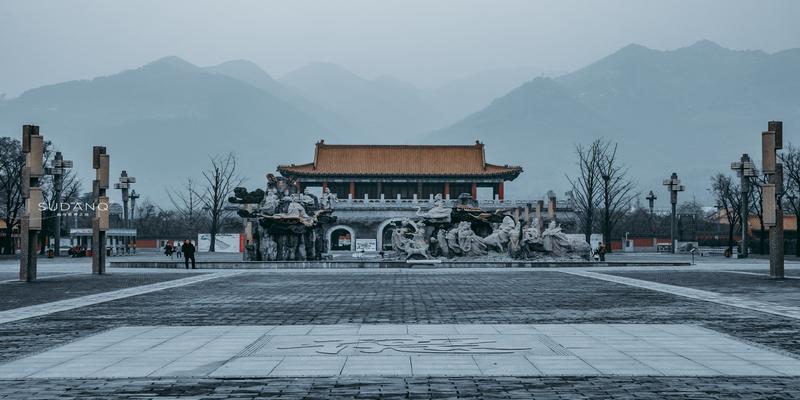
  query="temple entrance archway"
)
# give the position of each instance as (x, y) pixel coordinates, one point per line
(384, 234)
(341, 238)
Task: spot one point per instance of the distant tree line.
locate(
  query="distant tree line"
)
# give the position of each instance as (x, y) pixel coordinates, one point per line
(12, 161)
(727, 192)
(197, 206)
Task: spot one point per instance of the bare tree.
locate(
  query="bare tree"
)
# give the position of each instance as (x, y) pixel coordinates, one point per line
(790, 158)
(729, 198)
(755, 201)
(586, 187)
(618, 190)
(220, 180)
(188, 203)
(12, 161)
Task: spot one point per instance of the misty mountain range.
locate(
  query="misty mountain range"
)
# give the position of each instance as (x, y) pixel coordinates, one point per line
(690, 110)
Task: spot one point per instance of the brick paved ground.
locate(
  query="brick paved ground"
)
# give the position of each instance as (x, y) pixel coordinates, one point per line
(403, 296)
(756, 287)
(19, 294)
(412, 388)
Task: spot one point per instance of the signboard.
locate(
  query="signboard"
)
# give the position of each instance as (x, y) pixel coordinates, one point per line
(225, 242)
(363, 245)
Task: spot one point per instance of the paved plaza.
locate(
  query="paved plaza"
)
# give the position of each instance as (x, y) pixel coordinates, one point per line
(719, 329)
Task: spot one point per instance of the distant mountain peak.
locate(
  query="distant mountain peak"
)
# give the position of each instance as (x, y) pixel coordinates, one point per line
(704, 45)
(635, 47)
(171, 62)
(241, 69)
(240, 62)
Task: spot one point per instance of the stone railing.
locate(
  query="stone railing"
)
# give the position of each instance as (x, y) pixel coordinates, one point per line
(485, 204)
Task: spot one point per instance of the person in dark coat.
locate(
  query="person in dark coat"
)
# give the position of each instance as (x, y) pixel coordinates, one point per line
(601, 250)
(188, 253)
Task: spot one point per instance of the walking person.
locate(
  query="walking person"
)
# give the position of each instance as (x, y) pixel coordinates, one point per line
(601, 250)
(179, 250)
(188, 253)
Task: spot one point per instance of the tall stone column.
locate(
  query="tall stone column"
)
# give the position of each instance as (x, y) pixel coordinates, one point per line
(101, 165)
(31, 221)
(771, 142)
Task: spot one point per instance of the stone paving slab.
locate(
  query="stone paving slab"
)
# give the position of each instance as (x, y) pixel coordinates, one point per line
(406, 350)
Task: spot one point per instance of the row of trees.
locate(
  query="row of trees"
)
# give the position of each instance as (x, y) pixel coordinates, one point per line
(197, 205)
(728, 193)
(12, 161)
(605, 199)
(602, 192)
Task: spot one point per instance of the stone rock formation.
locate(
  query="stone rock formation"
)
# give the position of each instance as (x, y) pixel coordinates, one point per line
(465, 231)
(284, 225)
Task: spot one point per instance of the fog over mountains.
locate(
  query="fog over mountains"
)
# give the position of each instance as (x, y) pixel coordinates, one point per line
(691, 110)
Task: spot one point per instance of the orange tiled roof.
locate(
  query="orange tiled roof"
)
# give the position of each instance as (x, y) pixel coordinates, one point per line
(400, 160)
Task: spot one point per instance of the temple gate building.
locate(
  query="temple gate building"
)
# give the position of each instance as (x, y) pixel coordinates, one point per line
(377, 185)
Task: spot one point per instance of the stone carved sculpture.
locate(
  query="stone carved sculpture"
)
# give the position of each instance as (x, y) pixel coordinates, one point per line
(438, 213)
(556, 242)
(409, 238)
(471, 233)
(469, 243)
(328, 199)
(289, 224)
(501, 236)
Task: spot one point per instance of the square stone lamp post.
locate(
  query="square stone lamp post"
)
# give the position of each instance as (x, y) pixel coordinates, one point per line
(745, 169)
(58, 168)
(674, 186)
(31, 220)
(771, 195)
(124, 185)
(101, 165)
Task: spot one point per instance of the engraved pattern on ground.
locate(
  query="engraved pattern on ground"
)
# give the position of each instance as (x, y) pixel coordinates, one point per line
(396, 296)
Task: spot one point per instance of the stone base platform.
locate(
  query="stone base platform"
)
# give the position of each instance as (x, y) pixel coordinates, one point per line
(390, 264)
(404, 350)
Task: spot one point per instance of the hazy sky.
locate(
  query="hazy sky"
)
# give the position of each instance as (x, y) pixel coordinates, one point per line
(424, 42)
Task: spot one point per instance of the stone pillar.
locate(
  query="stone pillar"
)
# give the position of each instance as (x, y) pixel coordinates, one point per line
(101, 164)
(527, 213)
(447, 190)
(31, 219)
(352, 189)
(501, 190)
(474, 191)
(539, 205)
(551, 208)
(776, 251)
